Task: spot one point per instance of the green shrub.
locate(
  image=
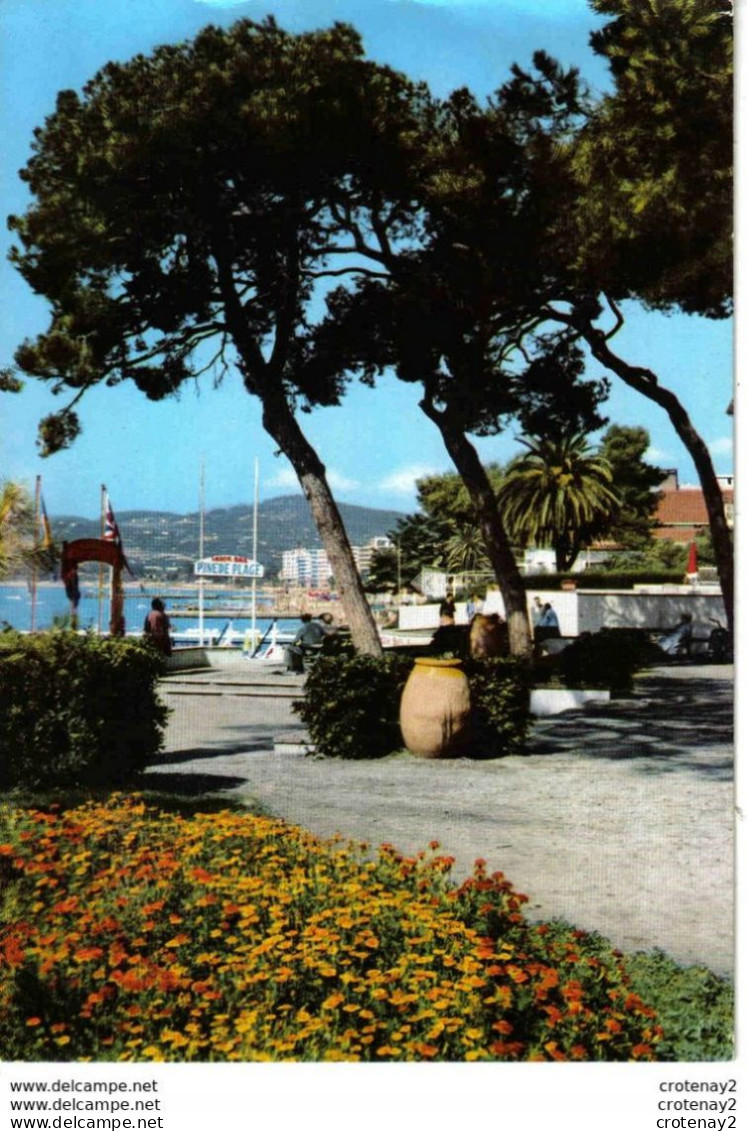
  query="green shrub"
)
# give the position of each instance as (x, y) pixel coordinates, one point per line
(694, 1006)
(601, 579)
(499, 691)
(608, 658)
(351, 705)
(76, 710)
(351, 708)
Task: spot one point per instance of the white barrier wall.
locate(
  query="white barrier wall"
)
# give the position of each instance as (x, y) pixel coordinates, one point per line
(426, 616)
(624, 608)
(565, 603)
(588, 610)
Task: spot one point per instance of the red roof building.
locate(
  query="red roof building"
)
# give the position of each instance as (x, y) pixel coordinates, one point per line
(682, 511)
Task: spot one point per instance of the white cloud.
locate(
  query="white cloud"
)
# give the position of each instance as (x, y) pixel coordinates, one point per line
(286, 479)
(724, 446)
(657, 456)
(402, 482)
(340, 482)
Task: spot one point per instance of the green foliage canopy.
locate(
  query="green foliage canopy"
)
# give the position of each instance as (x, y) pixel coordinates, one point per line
(654, 162)
(190, 197)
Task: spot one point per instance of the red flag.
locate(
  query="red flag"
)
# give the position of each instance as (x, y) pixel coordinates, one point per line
(111, 530)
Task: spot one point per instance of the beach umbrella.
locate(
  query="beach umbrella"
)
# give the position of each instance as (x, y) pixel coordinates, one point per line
(692, 560)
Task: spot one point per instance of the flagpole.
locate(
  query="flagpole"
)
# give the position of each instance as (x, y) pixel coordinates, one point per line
(254, 555)
(201, 580)
(37, 498)
(101, 565)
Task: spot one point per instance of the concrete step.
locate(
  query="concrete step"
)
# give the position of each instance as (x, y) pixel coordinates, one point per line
(293, 744)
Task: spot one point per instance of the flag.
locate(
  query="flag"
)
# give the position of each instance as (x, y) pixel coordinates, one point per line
(111, 530)
(47, 541)
(48, 553)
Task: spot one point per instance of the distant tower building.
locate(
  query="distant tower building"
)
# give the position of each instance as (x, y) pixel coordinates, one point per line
(311, 568)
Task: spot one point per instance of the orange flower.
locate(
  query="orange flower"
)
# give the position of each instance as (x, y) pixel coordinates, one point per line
(177, 941)
(88, 953)
(573, 991)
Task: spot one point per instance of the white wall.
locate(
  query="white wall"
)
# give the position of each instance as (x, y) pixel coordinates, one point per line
(588, 610)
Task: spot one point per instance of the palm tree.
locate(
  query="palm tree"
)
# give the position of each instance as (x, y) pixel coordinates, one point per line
(559, 494)
(465, 550)
(16, 525)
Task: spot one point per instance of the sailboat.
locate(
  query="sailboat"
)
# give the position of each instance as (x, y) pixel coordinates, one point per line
(257, 649)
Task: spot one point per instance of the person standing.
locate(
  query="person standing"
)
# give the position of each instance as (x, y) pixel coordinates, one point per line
(157, 627)
(548, 625)
(447, 610)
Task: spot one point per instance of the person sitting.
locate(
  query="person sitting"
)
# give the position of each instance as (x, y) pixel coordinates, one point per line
(488, 636)
(308, 640)
(677, 640)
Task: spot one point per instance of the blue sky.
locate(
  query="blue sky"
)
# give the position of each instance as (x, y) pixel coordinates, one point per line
(377, 442)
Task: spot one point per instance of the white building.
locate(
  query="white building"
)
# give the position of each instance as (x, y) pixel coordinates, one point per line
(311, 568)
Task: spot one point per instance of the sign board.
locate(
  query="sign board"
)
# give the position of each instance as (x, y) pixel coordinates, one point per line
(228, 565)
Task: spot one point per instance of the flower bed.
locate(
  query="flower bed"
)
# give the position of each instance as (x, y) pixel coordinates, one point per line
(138, 935)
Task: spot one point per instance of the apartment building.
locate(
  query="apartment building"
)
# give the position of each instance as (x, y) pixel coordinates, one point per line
(311, 568)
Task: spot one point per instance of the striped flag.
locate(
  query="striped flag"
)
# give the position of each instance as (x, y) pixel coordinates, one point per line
(47, 541)
(111, 530)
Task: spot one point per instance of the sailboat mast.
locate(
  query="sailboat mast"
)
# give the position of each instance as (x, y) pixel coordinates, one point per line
(37, 498)
(102, 529)
(201, 581)
(254, 554)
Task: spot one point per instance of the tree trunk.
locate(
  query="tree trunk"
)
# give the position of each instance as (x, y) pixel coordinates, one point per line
(564, 556)
(497, 545)
(645, 382)
(265, 380)
(279, 421)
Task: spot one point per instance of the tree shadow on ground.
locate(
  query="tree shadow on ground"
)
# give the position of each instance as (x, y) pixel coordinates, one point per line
(251, 738)
(190, 785)
(667, 726)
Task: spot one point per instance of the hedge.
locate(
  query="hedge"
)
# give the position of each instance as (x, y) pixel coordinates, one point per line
(77, 710)
(351, 705)
(598, 579)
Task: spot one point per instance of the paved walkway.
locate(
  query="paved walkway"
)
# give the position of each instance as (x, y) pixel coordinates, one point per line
(619, 819)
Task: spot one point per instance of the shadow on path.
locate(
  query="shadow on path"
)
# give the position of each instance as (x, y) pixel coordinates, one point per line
(667, 725)
(191, 785)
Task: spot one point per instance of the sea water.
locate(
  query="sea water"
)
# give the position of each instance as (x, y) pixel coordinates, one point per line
(93, 611)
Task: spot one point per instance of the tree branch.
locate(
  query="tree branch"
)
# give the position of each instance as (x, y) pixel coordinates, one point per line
(619, 320)
(367, 271)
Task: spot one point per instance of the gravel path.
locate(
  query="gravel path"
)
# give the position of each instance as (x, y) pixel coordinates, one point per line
(619, 819)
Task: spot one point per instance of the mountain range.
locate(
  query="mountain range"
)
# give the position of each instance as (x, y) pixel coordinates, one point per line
(166, 544)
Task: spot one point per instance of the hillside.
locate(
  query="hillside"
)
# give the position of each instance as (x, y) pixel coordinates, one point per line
(160, 541)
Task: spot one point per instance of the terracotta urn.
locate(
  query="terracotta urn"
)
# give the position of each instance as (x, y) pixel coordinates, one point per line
(435, 710)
